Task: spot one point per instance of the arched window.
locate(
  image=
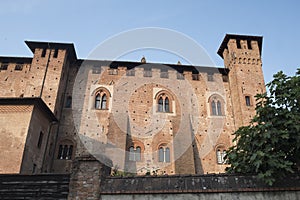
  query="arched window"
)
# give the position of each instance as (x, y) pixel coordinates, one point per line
(219, 108)
(131, 153)
(101, 99)
(163, 103)
(167, 108)
(221, 153)
(216, 104)
(65, 152)
(97, 101)
(160, 104)
(103, 102)
(161, 154)
(213, 108)
(167, 154)
(138, 154)
(164, 154)
(135, 153)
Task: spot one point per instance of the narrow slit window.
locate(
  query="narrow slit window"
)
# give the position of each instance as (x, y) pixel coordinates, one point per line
(40, 140)
(247, 99)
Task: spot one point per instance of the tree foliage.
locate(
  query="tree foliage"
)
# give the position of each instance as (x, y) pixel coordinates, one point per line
(270, 145)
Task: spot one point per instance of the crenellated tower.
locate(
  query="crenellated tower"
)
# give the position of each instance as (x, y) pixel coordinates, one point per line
(242, 56)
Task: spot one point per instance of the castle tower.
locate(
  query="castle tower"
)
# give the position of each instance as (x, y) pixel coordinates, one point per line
(49, 69)
(242, 56)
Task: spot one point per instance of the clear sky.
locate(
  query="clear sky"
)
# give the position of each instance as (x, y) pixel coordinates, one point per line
(90, 22)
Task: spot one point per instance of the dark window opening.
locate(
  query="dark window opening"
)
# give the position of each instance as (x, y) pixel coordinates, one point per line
(55, 53)
(247, 99)
(34, 168)
(68, 102)
(44, 53)
(238, 44)
(4, 66)
(65, 152)
(19, 67)
(40, 141)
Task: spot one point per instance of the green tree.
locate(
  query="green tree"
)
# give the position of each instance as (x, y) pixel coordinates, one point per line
(270, 145)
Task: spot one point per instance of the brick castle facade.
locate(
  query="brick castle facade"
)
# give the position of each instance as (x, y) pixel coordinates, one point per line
(145, 117)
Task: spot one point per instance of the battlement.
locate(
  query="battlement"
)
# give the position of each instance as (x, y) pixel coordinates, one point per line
(241, 42)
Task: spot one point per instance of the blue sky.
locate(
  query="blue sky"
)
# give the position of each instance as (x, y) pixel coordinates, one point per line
(88, 23)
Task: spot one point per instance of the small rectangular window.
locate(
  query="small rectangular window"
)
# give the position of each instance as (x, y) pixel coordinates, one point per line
(4, 66)
(247, 99)
(55, 53)
(19, 67)
(130, 72)
(40, 141)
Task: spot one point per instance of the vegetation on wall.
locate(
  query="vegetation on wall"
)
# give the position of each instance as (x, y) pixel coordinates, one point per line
(270, 145)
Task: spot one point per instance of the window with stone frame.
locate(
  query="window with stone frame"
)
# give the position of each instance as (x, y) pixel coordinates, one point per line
(65, 150)
(135, 153)
(216, 105)
(101, 100)
(164, 154)
(163, 103)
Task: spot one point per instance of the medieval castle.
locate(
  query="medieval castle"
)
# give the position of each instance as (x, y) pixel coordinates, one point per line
(144, 117)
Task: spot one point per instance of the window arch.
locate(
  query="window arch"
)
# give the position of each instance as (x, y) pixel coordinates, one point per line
(65, 150)
(164, 154)
(216, 105)
(163, 101)
(101, 99)
(135, 153)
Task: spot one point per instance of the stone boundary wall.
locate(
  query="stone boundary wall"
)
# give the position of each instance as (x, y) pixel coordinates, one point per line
(46, 186)
(210, 183)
